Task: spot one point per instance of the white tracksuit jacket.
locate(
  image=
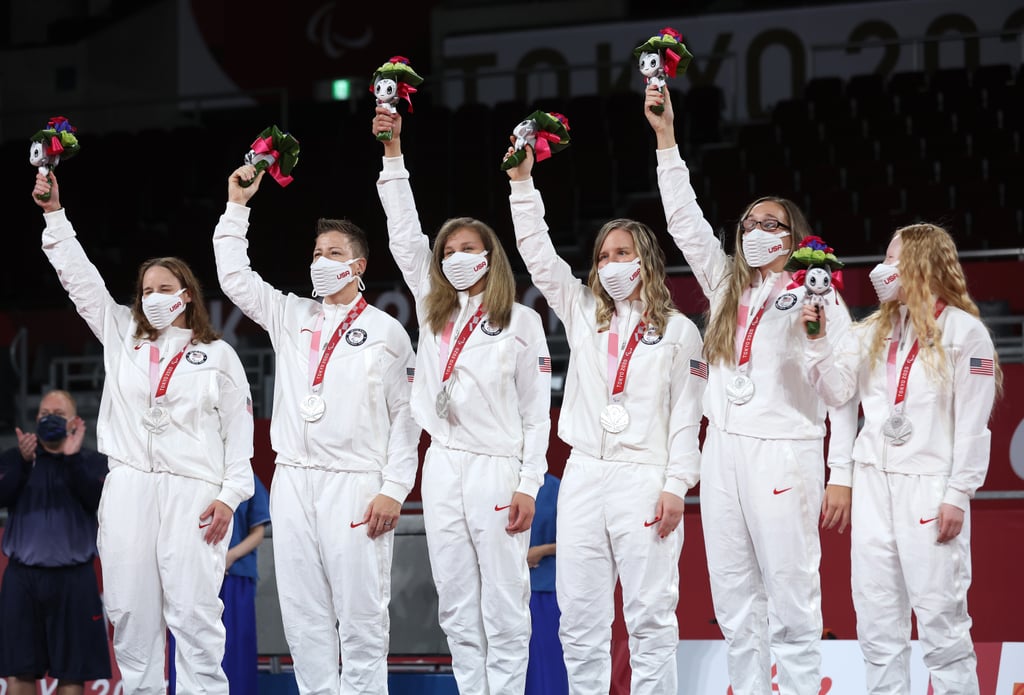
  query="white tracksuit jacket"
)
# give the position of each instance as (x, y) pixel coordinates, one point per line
(156, 567)
(492, 444)
(612, 482)
(761, 473)
(897, 565)
(330, 470)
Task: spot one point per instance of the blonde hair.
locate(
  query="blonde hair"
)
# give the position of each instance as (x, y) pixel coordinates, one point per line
(654, 294)
(499, 289)
(929, 269)
(196, 316)
(720, 336)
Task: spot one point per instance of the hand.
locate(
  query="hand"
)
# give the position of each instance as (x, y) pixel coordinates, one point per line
(669, 513)
(525, 168)
(27, 444)
(835, 508)
(536, 553)
(215, 519)
(951, 521)
(42, 187)
(236, 192)
(662, 123)
(384, 121)
(76, 433)
(520, 514)
(382, 516)
(230, 559)
(814, 312)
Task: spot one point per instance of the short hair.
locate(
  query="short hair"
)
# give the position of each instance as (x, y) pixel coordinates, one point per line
(61, 392)
(356, 236)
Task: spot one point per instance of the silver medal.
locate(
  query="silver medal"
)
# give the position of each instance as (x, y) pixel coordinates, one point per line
(156, 419)
(897, 429)
(614, 418)
(441, 404)
(312, 407)
(740, 389)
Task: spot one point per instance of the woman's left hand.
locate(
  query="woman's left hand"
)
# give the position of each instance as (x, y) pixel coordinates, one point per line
(215, 519)
(520, 513)
(951, 521)
(382, 515)
(669, 513)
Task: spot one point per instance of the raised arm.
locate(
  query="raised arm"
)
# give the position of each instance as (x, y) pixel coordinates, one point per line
(409, 246)
(257, 299)
(77, 274)
(550, 274)
(690, 231)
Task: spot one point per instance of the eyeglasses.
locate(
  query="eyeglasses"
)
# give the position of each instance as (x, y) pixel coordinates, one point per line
(768, 225)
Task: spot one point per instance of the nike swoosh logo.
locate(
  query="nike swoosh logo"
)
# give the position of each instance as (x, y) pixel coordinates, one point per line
(96, 617)
(777, 491)
(138, 347)
(648, 524)
(927, 521)
(501, 509)
(205, 525)
(353, 524)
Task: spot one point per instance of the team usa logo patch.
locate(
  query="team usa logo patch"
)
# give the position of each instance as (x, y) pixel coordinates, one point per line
(196, 356)
(488, 328)
(786, 301)
(651, 337)
(355, 337)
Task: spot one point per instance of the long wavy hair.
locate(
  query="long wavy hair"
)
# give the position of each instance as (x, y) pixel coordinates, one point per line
(929, 269)
(196, 317)
(720, 336)
(499, 289)
(654, 294)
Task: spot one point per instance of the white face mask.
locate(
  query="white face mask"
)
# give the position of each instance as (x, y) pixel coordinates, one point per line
(464, 269)
(620, 279)
(761, 248)
(330, 276)
(162, 309)
(885, 279)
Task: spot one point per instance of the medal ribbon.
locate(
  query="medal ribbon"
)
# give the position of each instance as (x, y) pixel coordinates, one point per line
(460, 342)
(617, 377)
(317, 379)
(158, 383)
(901, 385)
(748, 339)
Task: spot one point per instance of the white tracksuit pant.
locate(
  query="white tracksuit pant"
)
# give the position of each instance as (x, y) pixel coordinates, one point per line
(159, 573)
(333, 581)
(898, 566)
(605, 532)
(483, 583)
(760, 503)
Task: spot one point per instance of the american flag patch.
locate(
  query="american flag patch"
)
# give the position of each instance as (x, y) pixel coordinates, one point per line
(982, 366)
(248, 404)
(544, 364)
(410, 374)
(698, 368)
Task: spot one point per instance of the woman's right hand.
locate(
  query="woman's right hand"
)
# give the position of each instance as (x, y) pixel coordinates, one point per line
(44, 186)
(243, 194)
(385, 121)
(525, 168)
(662, 123)
(811, 313)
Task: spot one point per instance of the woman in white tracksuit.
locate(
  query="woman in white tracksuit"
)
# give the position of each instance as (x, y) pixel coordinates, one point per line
(920, 457)
(762, 476)
(483, 392)
(346, 448)
(175, 422)
(631, 414)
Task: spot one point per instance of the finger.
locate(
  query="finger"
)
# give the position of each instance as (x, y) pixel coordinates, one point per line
(17, 431)
(845, 521)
